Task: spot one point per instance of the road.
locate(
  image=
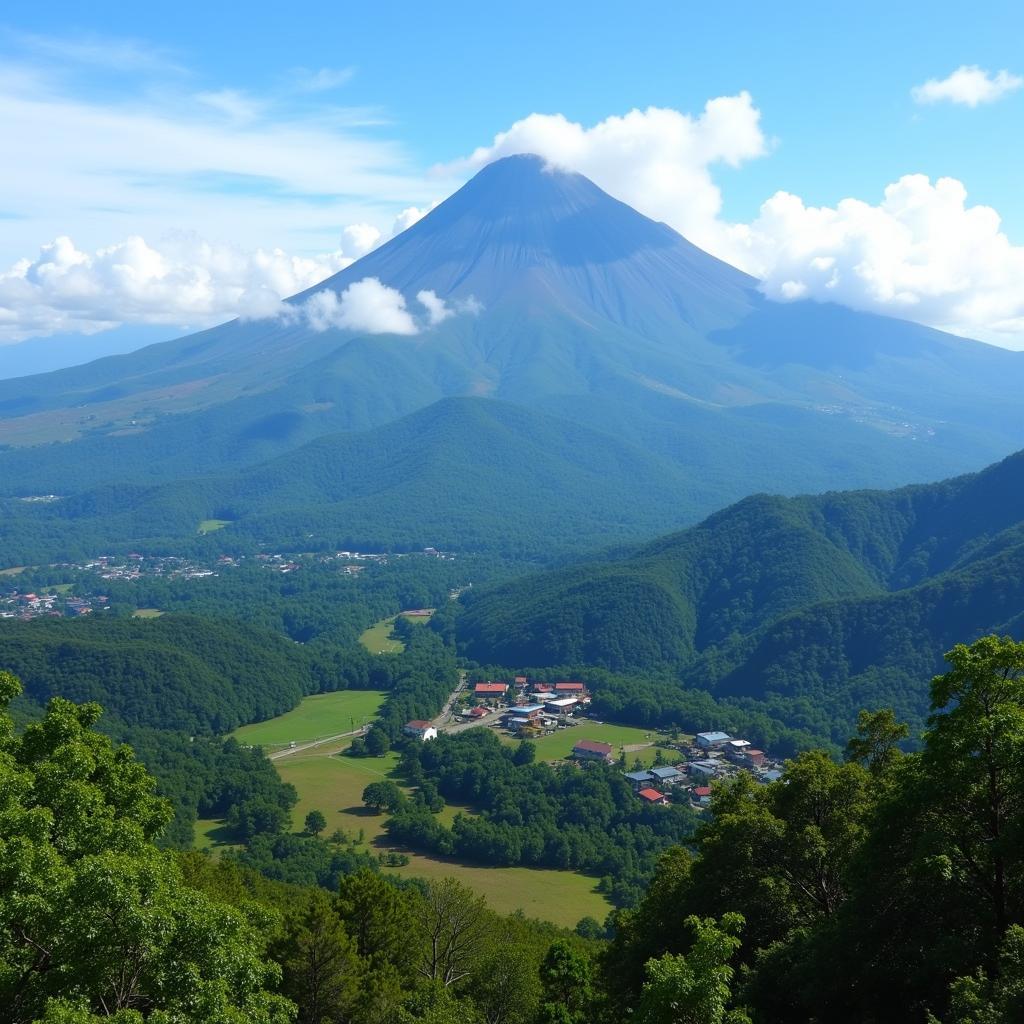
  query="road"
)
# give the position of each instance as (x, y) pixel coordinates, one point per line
(299, 747)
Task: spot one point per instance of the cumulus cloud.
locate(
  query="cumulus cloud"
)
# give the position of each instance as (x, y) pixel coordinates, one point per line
(365, 305)
(658, 160)
(182, 281)
(922, 253)
(437, 309)
(968, 85)
(361, 239)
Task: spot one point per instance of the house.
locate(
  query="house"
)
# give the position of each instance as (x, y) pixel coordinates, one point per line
(734, 747)
(752, 758)
(421, 730)
(773, 775)
(652, 796)
(640, 779)
(711, 740)
(526, 711)
(703, 769)
(560, 706)
(701, 795)
(478, 712)
(521, 681)
(563, 688)
(592, 750)
(667, 775)
(490, 691)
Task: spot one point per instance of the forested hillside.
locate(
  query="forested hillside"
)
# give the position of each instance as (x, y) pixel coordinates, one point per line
(886, 889)
(464, 474)
(841, 599)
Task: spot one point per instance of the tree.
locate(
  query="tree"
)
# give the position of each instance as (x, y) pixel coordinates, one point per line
(453, 923)
(379, 918)
(377, 742)
(321, 968)
(94, 919)
(315, 822)
(876, 743)
(384, 795)
(976, 737)
(566, 976)
(526, 753)
(980, 999)
(694, 988)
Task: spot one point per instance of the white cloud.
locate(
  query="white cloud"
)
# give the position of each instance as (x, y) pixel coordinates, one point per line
(361, 239)
(324, 80)
(437, 309)
(922, 253)
(282, 169)
(365, 305)
(657, 160)
(182, 281)
(968, 85)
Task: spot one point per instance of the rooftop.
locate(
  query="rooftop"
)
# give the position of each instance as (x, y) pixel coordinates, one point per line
(594, 746)
(651, 794)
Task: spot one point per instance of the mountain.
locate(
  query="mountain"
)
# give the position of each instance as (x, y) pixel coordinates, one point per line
(846, 600)
(562, 299)
(525, 485)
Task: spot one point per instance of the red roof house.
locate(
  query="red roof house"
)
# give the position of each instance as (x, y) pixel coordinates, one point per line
(490, 689)
(479, 712)
(652, 796)
(569, 687)
(701, 791)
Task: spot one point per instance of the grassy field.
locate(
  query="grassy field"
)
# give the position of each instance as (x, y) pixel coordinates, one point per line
(14, 570)
(212, 525)
(560, 744)
(147, 613)
(334, 785)
(326, 714)
(378, 639)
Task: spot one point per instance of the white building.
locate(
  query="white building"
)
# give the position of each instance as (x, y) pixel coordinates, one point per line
(421, 730)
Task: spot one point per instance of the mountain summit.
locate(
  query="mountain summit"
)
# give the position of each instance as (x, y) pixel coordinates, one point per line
(532, 285)
(521, 229)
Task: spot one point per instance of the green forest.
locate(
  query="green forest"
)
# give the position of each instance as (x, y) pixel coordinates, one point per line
(839, 601)
(880, 887)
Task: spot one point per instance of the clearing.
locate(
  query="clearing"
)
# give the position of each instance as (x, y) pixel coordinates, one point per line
(325, 714)
(559, 744)
(147, 613)
(335, 786)
(212, 525)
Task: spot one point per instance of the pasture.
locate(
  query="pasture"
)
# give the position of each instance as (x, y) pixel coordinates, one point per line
(325, 714)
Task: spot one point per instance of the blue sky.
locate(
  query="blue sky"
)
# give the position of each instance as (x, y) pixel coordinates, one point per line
(278, 127)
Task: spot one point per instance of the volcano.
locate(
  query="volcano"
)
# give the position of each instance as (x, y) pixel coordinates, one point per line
(554, 296)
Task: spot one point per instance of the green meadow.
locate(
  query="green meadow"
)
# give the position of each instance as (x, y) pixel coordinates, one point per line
(326, 714)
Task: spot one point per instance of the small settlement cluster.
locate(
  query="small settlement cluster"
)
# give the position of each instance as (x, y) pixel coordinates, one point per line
(532, 710)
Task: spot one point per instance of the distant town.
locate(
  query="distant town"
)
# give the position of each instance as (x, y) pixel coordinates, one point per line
(683, 768)
(60, 600)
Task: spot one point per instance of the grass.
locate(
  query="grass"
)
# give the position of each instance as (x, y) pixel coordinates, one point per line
(212, 525)
(14, 570)
(559, 744)
(147, 613)
(379, 638)
(334, 785)
(326, 714)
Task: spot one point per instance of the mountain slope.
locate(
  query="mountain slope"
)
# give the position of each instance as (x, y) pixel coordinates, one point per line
(526, 484)
(846, 599)
(584, 308)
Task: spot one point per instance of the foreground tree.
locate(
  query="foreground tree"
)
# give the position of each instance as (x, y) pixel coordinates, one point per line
(94, 919)
(695, 988)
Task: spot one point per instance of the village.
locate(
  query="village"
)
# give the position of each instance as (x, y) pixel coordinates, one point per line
(683, 770)
(60, 600)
